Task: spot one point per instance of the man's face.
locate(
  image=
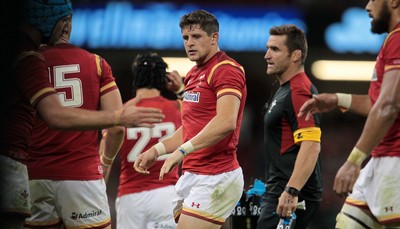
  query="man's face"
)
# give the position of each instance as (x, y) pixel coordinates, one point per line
(277, 55)
(379, 11)
(62, 31)
(198, 43)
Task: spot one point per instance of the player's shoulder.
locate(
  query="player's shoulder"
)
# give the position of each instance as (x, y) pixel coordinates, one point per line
(301, 84)
(226, 63)
(393, 37)
(33, 55)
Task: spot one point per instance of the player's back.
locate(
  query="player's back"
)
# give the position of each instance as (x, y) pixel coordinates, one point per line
(80, 79)
(138, 140)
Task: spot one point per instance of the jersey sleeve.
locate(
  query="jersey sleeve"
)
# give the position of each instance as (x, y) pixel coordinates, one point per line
(107, 82)
(32, 77)
(303, 130)
(227, 78)
(392, 51)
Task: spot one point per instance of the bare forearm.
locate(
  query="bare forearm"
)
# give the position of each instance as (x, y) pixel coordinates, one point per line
(223, 124)
(383, 114)
(174, 141)
(361, 104)
(59, 117)
(113, 141)
(377, 125)
(216, 130)
(79, 119)
(305, 163)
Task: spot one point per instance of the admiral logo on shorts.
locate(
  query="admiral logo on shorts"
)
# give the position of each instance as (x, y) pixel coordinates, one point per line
(163, 226)
(85, 215)
(191, 97)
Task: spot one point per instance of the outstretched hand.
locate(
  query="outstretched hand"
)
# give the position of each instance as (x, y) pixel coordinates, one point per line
(145, 160)
(169, 164)
(133, 116)
(318, 104)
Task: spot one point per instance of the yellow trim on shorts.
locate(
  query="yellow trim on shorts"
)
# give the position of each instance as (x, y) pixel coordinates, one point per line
(204, 215)
(92, 225)
(307, 134)
(391, 217)
(355, 202)
(43, 224)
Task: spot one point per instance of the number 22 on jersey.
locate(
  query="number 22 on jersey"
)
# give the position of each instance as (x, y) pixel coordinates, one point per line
(160, 131)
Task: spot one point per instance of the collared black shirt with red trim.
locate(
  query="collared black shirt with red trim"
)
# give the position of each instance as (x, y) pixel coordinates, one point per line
(280, 124)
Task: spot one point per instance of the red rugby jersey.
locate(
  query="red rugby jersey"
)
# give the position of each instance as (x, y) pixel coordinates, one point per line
(388, 59)
(138, 140)
(26, 86)
(219, 76)
(80, 79)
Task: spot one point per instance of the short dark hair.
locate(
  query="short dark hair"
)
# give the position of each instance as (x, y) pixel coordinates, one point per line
(207, 21)
(149, 71)
(295, 40)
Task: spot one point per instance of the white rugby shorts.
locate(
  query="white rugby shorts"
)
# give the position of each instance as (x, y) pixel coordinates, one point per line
(146, 210)
(78, 204)
(378, 187)
(208, 197)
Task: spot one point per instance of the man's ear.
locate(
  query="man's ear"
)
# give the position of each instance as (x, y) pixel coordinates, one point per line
(296, 55)
(394, 3)
(215, 37)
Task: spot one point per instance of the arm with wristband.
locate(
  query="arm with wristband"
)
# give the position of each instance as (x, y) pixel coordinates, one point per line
(112, 138)
(218, 128)
(146, 159)
(109, 147)
(221, 125)
(380, 119)
(325, 102)
(360, 104)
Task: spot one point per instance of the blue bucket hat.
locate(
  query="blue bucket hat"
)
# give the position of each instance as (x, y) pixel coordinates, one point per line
(44, 14)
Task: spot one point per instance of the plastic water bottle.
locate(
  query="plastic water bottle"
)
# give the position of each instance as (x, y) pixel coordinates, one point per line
(287, 223)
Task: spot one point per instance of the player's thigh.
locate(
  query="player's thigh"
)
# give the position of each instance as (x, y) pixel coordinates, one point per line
(352, 217)
(186, 221)
(83, 203)
(160, 208)
(214, 197)
(14, 188)
(376, 189)
(382, 190)
(160, 203)
(131, 212)
(44, 212)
